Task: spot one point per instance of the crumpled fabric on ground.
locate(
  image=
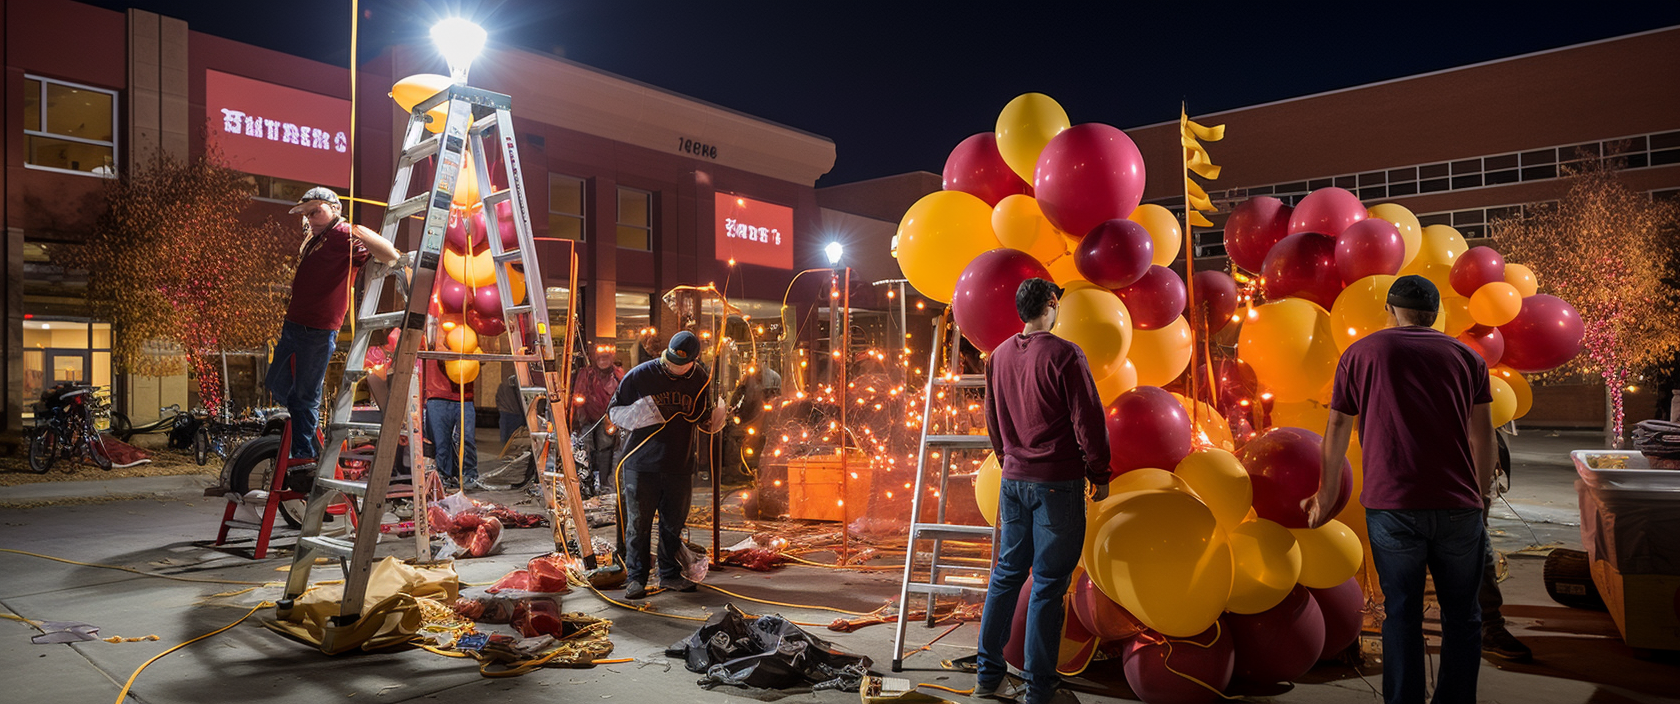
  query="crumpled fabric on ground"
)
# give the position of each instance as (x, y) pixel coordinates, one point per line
(766, 652)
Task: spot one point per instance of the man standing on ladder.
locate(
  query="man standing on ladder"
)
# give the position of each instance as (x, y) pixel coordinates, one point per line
(659, 402)
(1046, 426)
(328, 260)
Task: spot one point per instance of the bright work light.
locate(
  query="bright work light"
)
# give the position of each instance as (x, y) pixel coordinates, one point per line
(460, 41)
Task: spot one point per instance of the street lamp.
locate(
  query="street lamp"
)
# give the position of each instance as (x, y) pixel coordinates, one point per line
(460, 41)
(834, 250)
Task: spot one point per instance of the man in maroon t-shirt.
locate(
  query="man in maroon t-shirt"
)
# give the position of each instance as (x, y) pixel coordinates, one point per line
(320, 297)
(1421, 400)
(450, 425)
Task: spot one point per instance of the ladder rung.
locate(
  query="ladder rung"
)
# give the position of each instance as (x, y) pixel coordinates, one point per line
(422, 149)
(961, 442)
(480, 356)
(347, 486)
(335, 547)
(411, 206)
(498, 196)
(247, 525)
(520, 309)
(379, 321)
(354, 425)
(966, 381)
(512, 255)
(942, 531)
(484, 124)
(943, 589)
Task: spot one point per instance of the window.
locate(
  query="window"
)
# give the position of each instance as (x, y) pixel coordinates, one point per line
(69, 127)
(635, 219)
(281, 190)
(63, 351)
(565, 207)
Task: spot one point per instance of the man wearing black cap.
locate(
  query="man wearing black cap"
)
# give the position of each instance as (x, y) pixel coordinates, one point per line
(659, 403)
(1422, 401)
(330, 255)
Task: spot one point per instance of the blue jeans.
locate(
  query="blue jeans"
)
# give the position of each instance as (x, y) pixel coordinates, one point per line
(1041, 527)
(443, 425)
(299, 389)
(645, 494)
(1451, 545)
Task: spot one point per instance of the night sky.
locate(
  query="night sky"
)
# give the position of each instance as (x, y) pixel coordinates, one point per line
(897, 84)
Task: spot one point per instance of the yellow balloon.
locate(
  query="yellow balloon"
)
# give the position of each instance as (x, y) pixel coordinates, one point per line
(1220, 480)
(1495, 304)
(466, 186)
(1359, 310)
(1213, 429)
(1330, 554)
(1023, 128)
(1163, 229)
(1147, 479)
(461, 371)
(1438, 274)
(409, 91)
(1097, 514)
(516, 283)
(1161, 355)
(1110, 387)
(1168, 561)
(1289, 345)
(939, 236)
(1064, 273)
(1521, 277)
(474, 270)
(1504, 406)
(1097, 321)
(462, 339)
(1411, 232)
(1519, 386)
(1440, 245)
(1267, 564)
(1020, 224)
(988, 485)
(1455, 313)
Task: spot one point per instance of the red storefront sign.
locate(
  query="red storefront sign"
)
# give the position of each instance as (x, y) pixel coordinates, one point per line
(272, 130)
(754, 232)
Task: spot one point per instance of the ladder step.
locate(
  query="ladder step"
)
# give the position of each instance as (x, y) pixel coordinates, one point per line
(484, 124)
(354, 425)
(944, 589)
(511, 255)
(380, 321)
(347, 486)
(534, 390)
(420, 151)
(335, 547)
(966, 381)
(960, 442)
(484, 357)
(497, 197)
(520, 309)
(247, 525)
(942, 531)
(412, 206)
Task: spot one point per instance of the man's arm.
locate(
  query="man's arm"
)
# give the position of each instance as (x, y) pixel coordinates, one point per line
(1089, 427)
(381, 249)
(992, 431)
(1484, 448)
(1332, 453)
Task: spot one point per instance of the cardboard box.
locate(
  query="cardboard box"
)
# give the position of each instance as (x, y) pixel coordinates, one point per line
(815, 482)
(1646, 607)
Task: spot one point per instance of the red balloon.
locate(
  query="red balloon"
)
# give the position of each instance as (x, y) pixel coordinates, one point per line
(1099, 614)
(1234, 382)
(975, 167)
(1545, 334)
(1216, 293)
(452, 295)
(1304, 265)
(460, 234)
(1067, 628)
(1280, 643)
(1115, 254)
(1486, 341)
(1343, 607)
(485, 325)
(1155, 300)
(504, 225)
(1283, 466)
(1152, 663)
(984, 303)
(1086, 175)
(1328, 211)
(1147, 427)
(487, 301)
(1367, 248)
(1480, 265)
(1254, 227)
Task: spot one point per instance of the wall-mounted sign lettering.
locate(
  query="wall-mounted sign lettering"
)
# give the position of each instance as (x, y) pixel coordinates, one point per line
(689, 146)
(272, 130)
(754, 232)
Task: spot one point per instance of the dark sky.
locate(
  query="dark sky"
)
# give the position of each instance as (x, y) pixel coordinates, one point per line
(897, 84)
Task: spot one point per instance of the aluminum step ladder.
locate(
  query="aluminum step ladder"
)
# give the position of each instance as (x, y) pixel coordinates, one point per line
(936, 448)
(475, 119)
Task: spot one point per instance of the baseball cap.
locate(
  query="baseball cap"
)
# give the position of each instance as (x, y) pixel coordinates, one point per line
(684, 348)
(1414, 292)
(318, 193)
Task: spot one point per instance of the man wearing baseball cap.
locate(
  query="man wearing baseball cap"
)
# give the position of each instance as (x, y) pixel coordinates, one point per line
(659, 403)
(332, 251)
(1422, 403)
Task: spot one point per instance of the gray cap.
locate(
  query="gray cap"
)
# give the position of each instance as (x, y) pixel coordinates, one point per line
(318, 193)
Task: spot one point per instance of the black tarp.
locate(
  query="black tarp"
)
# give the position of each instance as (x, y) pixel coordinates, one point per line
(766, 652)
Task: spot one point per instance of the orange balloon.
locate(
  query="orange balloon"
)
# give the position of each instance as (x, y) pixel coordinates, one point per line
(1160, 356)
(1519, 386)
(1110, 387)
(476, 270)
(466, 186)
(1163, 229)
(1456, 311)
(461, 339)
(461, 371)
(1289, 345)
(1495, 304)
(1521, 277)
(1020, 224)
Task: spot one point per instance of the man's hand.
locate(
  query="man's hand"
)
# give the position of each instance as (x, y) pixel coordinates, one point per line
(1099, 491)
(1316, 508)
(720, 415)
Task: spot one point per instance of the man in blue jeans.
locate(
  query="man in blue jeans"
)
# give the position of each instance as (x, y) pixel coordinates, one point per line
(1046, 426)
(1421, 400)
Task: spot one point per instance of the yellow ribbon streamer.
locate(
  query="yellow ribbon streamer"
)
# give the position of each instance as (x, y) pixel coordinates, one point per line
(1211, 134)
(1199, 221)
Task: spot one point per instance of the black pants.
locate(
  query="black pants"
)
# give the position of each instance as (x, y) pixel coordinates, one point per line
(642, 495)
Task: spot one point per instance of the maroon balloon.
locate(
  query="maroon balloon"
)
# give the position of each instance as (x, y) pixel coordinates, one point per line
(452, 295)
(460, 234)
(1283, 467)
(1147, 427)
(1099, 614)
(1327, 210)
(1115, 254)
(1254, 226)
(1303, 265)
(1155, 300)
(975, 167)
(1545, 334)
(1088, 174)
(1153, 664)
(1480, 265)
(485, 325)
(1216, 298)
(1280, 643)
(1343, 608)
(1486, 341)
(487, 301)
(504, 225)
(1014, 649)
(984, 303)
(1367, 248)
(1234, 382)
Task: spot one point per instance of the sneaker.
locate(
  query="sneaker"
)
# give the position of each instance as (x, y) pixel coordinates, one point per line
(680, 584)
(635, 590)
(476, 485)
(1007, 689)
(1498, 642)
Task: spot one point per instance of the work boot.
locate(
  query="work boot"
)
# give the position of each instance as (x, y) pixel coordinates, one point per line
(679, 584)
(1007, 689)
(635, 590)
(1498, 642)
(300, 477)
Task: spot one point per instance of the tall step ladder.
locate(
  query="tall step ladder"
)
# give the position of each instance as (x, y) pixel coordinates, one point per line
(476, 118)
(923, 556)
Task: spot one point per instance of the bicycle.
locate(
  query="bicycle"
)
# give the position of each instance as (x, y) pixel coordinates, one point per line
(66, 427)
(222, 434)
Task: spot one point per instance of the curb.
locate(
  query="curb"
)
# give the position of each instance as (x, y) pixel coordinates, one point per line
(187, 484)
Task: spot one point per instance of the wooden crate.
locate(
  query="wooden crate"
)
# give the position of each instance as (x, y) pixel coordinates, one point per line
(814, 486)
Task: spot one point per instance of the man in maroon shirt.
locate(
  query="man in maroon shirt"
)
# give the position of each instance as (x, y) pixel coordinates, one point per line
(1046, 426)
(450, 425)
(592, 390)
(1421, 400)
(320, 297)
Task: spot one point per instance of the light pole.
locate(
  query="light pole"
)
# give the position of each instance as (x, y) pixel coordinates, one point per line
(840, 328)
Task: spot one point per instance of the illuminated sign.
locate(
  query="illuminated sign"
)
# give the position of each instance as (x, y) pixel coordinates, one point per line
(754, 232)
(272, 130)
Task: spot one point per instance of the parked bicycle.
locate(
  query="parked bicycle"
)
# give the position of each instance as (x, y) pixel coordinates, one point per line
(67, 428)
(221, 434)
(180, 426)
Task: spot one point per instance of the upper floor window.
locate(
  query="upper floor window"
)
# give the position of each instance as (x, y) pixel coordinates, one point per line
(635, 219)
(565, 207)
(69, 127)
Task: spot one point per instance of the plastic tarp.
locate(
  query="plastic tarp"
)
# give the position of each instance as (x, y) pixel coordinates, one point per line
(766, 652)
(1637, 532)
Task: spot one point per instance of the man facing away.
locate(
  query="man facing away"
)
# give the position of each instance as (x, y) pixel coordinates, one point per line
(592, 389)
(1421, 401)
(1046, 425)
(450, 424)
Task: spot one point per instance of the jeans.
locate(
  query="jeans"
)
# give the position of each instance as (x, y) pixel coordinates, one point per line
(443, 424)
(642, 495)
(1451, 544)
(1041, 527)
(601, 446)
(299, 389)
(509, 422)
